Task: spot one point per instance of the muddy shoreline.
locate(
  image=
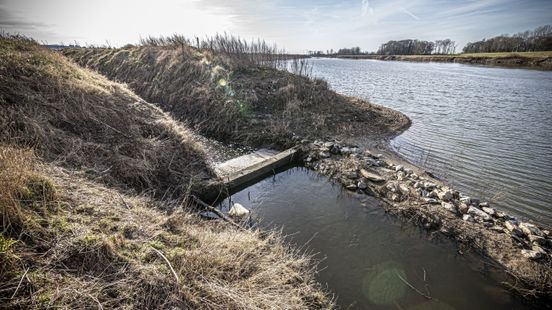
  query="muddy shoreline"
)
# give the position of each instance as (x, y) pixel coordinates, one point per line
(541, 63)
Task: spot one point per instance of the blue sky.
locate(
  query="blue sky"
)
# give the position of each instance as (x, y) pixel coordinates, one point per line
(295, 25)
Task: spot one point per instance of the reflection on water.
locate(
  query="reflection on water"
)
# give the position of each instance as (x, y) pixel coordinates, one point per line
(372, 260)
(485, 130)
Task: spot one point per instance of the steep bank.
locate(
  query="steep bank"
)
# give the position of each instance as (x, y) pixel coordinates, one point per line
(537, 60)
(93, 197)
(223, 98)
(79, 119)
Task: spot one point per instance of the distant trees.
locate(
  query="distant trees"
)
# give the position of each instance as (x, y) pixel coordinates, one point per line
(538, 39)
(417, 47)
(446, 46)
(349, 51)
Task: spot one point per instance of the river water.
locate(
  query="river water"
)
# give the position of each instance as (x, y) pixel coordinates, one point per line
(372, 260)
(487, 131)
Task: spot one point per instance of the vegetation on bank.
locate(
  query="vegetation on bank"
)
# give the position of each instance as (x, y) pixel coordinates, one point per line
(536, 40)
(93, 208)
(228, 97)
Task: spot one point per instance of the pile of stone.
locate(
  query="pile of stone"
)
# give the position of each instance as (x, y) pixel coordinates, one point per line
(364, 172)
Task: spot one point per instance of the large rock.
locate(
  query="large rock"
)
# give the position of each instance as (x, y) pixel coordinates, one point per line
(401, 175)
(449, 207)
(537, 240)
(510, 225)
(463, 208)
(432, 201)
(467, 200)
(404, 189)
(530, 229)
(536, 252)
(445, 195)
(429, 186)
(371, 176)
(324, 154)
(468, 218)
(478, 213)
(490, 211)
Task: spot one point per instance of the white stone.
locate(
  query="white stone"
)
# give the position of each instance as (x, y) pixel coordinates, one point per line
(488, 210)
(467, 218)
(510, 225)
(449, 207)
(537, 239)
(530, 229)
(371, 176)
(399, 168)
(400, 176)
(531, 254)
(466, 200)
(463, 208)
(404, 189)
(431, 200)
(445, 195)
(238, 210)
(478, 213)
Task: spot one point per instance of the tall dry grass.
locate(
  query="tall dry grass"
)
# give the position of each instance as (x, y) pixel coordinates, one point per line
(231, 100)
(78, 118)
(77, 244)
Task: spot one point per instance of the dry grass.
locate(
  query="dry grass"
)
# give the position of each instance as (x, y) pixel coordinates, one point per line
(80, 119)
(222, 98)
(77, 244)
(69, 241)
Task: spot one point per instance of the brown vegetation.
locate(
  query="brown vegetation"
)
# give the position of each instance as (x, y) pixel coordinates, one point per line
(69, 242)
(80, 119)
(225, 97)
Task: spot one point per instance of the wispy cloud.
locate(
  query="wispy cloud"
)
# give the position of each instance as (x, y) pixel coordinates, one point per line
(410, 13)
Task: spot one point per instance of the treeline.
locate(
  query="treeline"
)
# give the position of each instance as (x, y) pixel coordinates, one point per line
(538, 39)
(342, 51)
(417, 47)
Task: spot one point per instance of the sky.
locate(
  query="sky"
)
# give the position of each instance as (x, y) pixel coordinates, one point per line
(297, 26)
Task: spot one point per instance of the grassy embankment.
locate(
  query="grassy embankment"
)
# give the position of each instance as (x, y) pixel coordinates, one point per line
(92, 181)
(540, 60)
(227, 98)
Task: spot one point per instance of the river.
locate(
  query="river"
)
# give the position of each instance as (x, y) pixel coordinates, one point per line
(486, 131)
(371, 260)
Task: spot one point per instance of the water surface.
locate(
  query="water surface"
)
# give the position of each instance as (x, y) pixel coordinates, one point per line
(487, 131)
(368, 252)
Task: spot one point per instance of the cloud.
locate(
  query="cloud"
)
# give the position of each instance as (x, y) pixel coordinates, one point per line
(366, 8)
(9, 21)
(410, 13)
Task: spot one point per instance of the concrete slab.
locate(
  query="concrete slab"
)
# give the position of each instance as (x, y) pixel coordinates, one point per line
(240, 171)
(234, 165)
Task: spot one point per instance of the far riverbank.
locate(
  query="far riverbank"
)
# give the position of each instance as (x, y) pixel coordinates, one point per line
(537, 60)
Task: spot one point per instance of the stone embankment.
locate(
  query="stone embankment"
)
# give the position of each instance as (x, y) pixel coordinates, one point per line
(523, 249)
